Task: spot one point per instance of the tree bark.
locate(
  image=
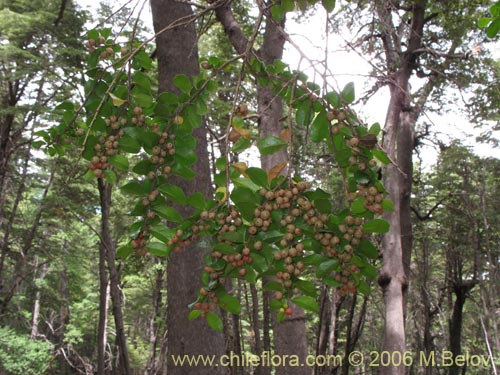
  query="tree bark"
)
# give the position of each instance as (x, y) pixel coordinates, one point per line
(38, 295)
(398, 144)
(289, 335)
(103, 312)
(154, 326)
(460, 289)
(177, 53)
(108, 246)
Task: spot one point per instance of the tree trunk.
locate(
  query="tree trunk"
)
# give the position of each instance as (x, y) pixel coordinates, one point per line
(20, 267)
(398, 144)
(460, 289)
(177, 53)
(103, 312)
(289, 335)
(114, 278)
(392, 278)
(38, 295)
(155, 327)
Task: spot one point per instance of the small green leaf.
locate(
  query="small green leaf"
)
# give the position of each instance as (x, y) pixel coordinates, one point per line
(230, 303)
(174, 193)
(277, 12)
(143, 167)
(67, 106)
(183, 83)
(381, 155)
(119, 162)
(270, 144)
(329, 5)
(214, 321)
(258, 175)
(319, 127)
(134, 188)
(183, 171)
(142, 59)
(327, 266)
(376, 226)
(162, 232)
(241, 145)
(157, 248)
(332, 283)
(367, 249)
(494, 28)
(387, 205)
(274, 286)
(236, 237)
(197, 200)
(358, 205)
(142, 81)
(225, 248)
(288, 5)
(168, 213)
(374, 129)
(246, 183)
(307, 287)
(483, 22)
(363, 287)
(348, 94)
(142, 100)
(194, 314)
(220, 163)
(93, 34)
(334, 99)
(110, 176)
(129, 144)
(124, 251)
(369, 271)
(307, 303)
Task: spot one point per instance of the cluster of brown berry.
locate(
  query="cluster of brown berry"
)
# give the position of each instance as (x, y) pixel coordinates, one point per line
(108, 145)
(373, 198)
(93, 44)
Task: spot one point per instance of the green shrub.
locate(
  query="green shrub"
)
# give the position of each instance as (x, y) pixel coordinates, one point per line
(20, 355)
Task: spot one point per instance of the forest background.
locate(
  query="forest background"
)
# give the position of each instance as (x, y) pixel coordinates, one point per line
(84, 290)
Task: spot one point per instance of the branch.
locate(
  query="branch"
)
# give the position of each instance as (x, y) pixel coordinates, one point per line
(232, 28)
(61, 12)
(427, 216)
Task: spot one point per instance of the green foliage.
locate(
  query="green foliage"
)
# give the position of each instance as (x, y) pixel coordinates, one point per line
(492, 23)
(270, 225)
(21, 355)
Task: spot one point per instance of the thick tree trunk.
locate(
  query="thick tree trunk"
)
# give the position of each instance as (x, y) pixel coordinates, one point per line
(289, 335)
(398, 144)
(114, 277)
(177, 53)
(392, 278)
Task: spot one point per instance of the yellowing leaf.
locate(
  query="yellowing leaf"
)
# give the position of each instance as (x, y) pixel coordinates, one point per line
(243, 132)
(286, 135)
(117, 102)
(241, 167)
(234, 136)
(275, 171)
(223, 190)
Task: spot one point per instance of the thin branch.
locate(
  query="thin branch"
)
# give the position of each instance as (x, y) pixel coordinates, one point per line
(427, 216)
